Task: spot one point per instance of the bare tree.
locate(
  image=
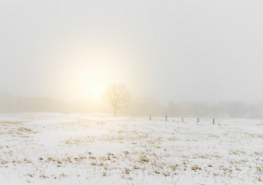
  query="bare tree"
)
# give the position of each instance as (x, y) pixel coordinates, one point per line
(117, 96)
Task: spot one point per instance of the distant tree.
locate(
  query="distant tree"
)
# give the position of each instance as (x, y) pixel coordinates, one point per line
(117, 96)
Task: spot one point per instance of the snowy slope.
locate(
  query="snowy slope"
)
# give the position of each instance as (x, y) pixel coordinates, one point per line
(61, 149)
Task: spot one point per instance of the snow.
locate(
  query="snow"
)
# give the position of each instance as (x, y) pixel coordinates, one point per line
(68, 149)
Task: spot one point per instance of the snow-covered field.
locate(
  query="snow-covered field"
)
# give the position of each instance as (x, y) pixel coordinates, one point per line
(71, 149)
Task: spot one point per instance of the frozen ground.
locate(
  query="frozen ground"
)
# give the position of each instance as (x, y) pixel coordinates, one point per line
(61, 149)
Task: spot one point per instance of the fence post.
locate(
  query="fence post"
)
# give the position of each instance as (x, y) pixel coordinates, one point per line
(150, 118)
(182, 119)
(197, 120)
(213, 121)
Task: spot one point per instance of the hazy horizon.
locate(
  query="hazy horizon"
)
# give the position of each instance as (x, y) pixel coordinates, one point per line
(193, 51)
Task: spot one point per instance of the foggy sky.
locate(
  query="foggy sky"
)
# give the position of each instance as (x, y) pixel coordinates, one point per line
(171, 50)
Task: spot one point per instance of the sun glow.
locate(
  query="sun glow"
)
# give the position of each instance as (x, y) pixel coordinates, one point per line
(93, 83)
(88, 65)
(89, 76)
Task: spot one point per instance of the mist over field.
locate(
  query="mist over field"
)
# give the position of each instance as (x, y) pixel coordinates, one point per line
(165, 51)
(138, 107)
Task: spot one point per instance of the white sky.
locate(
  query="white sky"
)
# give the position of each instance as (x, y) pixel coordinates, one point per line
(180, 50)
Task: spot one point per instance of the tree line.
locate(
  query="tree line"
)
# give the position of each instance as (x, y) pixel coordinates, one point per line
(136, 107)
